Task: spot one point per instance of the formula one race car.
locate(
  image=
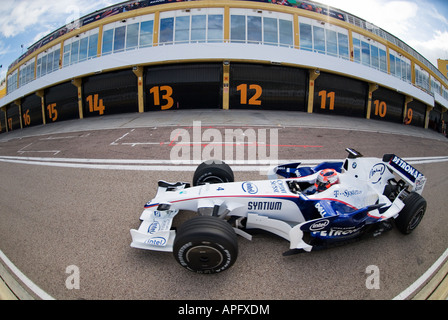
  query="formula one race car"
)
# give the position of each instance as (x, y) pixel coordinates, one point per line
(314, 207)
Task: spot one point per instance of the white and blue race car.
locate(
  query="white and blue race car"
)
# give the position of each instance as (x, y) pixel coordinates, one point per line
(312, 208)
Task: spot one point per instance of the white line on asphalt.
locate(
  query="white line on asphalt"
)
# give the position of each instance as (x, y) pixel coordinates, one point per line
(420, 281)
(30, 284)
(116, 141)
(175, 165)
(21, 151)
(65, 137)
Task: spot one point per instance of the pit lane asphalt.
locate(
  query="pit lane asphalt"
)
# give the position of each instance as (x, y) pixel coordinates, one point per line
(55, 217)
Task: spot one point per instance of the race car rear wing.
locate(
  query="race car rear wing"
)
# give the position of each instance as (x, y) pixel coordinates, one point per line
(408, 173)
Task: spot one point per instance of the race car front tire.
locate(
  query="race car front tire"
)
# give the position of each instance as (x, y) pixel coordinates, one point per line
(213, 171)
(205, 244)
(411, 214)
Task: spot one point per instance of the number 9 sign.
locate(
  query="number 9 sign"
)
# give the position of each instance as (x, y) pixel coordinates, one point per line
(408, 118)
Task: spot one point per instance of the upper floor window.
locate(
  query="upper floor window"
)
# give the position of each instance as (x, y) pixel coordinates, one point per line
(400, 66)
(128, 34)
(12, 82)
(194, 25)
(80, 48)
(369, 52)
(27, 72)
(322, 37)
(260, 27)
(48, 61)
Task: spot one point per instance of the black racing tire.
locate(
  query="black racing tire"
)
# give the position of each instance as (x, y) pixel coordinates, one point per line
(205, 244)
(213, 171)
(412, 213)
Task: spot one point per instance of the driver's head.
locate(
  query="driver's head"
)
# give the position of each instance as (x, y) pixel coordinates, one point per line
(325, 179)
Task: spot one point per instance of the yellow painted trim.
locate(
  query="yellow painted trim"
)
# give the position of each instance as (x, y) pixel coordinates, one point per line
(35, 67)
(226, 24)
(78, 84)
(350, 45)
(138, 71)
(41, 95)
(296, 31)
(372, 88)
(100, 41)
(226, 86)
(442, 66)
(413, 72)
(388, 60)
(61, 55)
(155, 31)
(313, 75)
(18, 78)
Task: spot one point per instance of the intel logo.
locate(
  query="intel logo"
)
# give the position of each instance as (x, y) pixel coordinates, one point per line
(319, 225)
(250, 187)
(376, 173)
(154, 227)
(157, 241)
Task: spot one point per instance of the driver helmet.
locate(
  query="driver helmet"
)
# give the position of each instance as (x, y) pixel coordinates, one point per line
(326, 179)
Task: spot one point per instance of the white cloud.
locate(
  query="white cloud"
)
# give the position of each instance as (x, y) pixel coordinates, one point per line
(395, 17)
(17, 16)
(418, 23)
(22, 16)
(23, 22)
(434, 47)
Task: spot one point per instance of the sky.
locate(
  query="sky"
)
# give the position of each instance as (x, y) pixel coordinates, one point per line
(422, 24)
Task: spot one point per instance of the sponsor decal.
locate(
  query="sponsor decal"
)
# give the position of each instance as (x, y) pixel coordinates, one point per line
(156, 241)
(320, 208)
(264, 205)
(347, 193)
(157, 214)
(250, 187)
(376, 173)
(337, 232)
(319, 225)
(278, 186)
(154, 227)
(419, 183)
(405, 168)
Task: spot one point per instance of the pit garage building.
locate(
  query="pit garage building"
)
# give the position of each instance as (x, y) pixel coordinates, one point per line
(157, 55)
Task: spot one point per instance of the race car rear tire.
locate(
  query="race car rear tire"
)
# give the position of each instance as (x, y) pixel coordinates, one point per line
(205, 244)
(412, 213)
(213, 171)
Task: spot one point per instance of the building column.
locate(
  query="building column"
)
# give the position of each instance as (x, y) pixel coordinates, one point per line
(41, 94)
(428, 110)
(138, 71)
(18, 102)
(313, 76)
(225, 85)
(78, 84)
(372, 88)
